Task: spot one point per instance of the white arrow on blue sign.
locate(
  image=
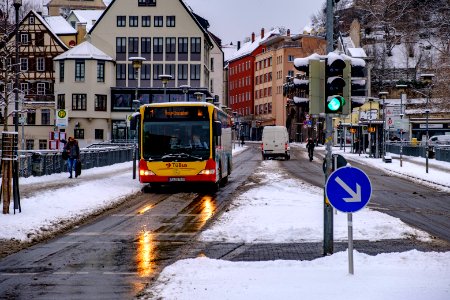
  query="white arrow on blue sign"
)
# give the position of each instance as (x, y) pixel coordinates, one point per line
(348, 189)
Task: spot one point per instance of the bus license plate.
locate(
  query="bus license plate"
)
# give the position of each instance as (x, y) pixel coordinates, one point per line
(172, 179)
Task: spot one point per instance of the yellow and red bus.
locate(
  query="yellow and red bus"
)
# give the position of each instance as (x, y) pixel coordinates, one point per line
(188, 142)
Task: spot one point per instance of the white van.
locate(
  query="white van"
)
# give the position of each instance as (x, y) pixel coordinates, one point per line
(275, 142)
(439, 140)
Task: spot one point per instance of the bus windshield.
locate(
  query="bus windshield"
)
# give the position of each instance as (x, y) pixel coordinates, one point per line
(169, 140)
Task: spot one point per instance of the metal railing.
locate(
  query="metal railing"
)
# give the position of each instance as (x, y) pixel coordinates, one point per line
(439, 152)
(46, 162)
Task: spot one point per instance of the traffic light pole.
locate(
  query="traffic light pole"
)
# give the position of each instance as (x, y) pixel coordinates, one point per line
(328, 209)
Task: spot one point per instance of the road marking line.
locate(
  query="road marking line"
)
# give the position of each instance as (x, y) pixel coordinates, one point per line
(18, 274)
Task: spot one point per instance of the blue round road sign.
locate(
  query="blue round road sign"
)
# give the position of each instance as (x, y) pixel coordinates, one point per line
(348, 189)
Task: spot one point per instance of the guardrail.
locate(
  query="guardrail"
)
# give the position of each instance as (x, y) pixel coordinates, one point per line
(46, 162)
(439, 152)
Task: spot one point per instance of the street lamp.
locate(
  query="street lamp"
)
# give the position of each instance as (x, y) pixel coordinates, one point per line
(370, 126)
(137, 64)
(428, 79)
(165, 79)
(383, 95)
(198, 96)
(402, 88)
(185, 89)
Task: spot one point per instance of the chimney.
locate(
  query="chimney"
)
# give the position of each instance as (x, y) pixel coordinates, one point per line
(262, 33)
(239, 45)
(81, 32)
(253, 37)
(288, 32)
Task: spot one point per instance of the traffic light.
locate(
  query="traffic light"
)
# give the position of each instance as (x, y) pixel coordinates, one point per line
(335, 83)
(356, 80)
(313, 86)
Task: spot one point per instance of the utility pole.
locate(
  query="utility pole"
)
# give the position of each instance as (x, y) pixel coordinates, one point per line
(328, 209)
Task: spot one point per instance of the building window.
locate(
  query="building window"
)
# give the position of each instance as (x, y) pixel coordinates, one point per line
(61, 71)
(196, 45)
(146, 21)
(45, 117)
(146, 2)
(158, 46)
(183, 45)
(291, 58)
(121, 71)
(100, 71)
(146, 45)
(24, 64)
(157, 70)
(170, 70)
(145, 72)
(29, 144)
(24, 88)
(170, 21)
(40, 88)
(133, 21)
(121, 45)
(73, 24)
(183, 71)
(131, 72)
(100, 103)
(79, 70)
(133, 45)
(42, 144)
(24, 38)
(78, 101)
(171, 45)
(212, 64)
(61, 104)
(121, 21)
(195, 72)
(40, 64)
(158, 21)
(291, 73)
(31, 118)
(78, 133)
(99, 134)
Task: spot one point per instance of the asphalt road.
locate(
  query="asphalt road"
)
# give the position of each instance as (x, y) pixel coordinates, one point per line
(417, 205)
(116, 255)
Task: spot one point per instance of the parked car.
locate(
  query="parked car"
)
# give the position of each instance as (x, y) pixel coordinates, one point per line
(275, 142)
(439, 140)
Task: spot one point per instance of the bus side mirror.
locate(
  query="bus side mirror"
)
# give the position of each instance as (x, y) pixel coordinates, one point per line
(217, 128)
(134, 120)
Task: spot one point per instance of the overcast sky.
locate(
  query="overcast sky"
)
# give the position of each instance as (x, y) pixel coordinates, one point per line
(233, 20)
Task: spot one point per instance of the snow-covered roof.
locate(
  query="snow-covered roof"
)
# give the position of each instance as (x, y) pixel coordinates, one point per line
(87, 16)
(84, 50)
(47, 25)
(357, 52)
(59, 25)
(250, 46)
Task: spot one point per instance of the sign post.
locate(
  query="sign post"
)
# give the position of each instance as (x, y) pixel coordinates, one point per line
(348, 189)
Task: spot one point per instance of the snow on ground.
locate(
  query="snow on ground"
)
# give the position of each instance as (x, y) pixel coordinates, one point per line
(282, 210)
(287, 210)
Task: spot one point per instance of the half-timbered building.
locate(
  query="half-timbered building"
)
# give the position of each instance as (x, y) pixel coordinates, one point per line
(38, 45)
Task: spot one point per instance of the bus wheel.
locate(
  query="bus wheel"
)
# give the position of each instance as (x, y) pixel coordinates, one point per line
(146, 189)
(224, 181)
(156, 187)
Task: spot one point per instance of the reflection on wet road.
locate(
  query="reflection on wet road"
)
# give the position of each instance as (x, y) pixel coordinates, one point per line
(116, 256)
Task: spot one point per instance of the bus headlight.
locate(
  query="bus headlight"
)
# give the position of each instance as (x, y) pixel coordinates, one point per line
(207, 172)
(146, 173)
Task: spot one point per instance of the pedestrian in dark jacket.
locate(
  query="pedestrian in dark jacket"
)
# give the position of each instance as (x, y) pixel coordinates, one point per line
(310, 146)
(73, 151)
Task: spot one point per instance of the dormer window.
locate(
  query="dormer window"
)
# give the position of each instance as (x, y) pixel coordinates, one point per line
(146, 2)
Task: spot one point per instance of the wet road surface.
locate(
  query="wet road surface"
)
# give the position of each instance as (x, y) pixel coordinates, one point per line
(118, 254)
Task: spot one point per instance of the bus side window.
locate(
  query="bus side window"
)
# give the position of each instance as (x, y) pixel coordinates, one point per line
(217, 128)
(134, 120)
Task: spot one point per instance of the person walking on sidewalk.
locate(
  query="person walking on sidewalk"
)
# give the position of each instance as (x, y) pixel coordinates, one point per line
(73, 151)
(310, 146)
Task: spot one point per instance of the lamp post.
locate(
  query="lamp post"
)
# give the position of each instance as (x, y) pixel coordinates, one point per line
(428, 79)
(370, 126)
(137, 64)
(198, 96)
(383, 95)
(402, 88)
(185, 88)
(16, 196)
(165, 79)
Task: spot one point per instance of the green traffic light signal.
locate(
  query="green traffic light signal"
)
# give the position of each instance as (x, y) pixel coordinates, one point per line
(335, 104)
